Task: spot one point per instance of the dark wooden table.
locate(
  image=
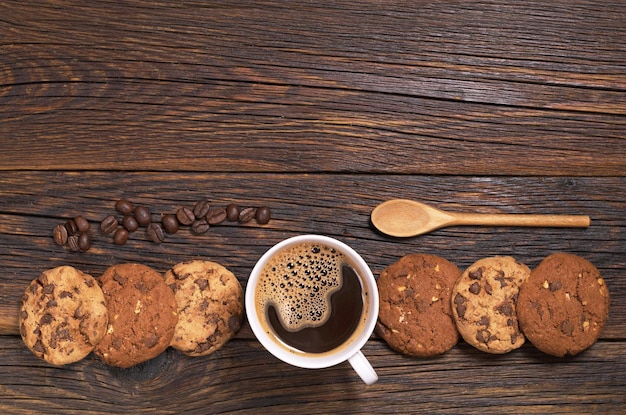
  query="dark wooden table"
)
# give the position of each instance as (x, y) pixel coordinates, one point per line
(319, 110)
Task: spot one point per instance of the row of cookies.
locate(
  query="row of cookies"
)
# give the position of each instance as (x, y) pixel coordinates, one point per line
(497, 303)
(131, 313)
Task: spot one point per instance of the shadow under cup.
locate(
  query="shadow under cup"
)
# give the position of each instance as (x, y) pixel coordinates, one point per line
(312, 301)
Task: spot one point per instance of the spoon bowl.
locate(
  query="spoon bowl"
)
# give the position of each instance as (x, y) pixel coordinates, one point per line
(405, 218)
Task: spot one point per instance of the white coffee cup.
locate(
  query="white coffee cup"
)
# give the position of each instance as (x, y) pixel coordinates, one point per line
(349, 350)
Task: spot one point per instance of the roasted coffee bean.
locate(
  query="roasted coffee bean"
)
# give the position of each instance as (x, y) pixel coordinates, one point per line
(246, 215)
(199, 226)
(84, 241)
(232, 212)
(59, 234)
(124, 207)
(216, 216)
(170, 223)
(108, 224)
(120, 236)
(185, 216)
(81, 223)
(72, 243)
(130, 223)
(143, 215)
(155, 233)
(201, 208)
(72, 228)
(263, 215)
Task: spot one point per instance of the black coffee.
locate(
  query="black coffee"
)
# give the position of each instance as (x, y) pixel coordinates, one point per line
(311, 298)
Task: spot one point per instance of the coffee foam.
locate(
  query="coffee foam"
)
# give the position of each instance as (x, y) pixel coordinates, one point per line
(298, 282)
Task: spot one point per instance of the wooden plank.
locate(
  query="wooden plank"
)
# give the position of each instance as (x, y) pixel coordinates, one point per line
(32, 203)
(305, 96)
(234, 380)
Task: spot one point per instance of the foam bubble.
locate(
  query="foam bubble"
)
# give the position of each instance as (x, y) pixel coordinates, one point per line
(298, 282)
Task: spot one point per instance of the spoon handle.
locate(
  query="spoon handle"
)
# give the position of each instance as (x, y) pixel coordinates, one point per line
(499, 219)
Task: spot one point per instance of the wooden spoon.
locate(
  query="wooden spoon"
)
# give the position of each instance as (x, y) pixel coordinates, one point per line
(404, 218)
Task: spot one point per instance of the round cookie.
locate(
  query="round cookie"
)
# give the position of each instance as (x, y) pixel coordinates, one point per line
(564, 305)
(210, 306)
(63, 315)
(415, 316)
(484, 304)
(142, 315)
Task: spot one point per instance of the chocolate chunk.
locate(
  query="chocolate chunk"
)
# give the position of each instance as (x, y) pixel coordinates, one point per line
(151, 340)
(476, 274)
(202, 283)
(505, 309)
(234, 323)
(461, 309)
(501, 279)
(488, 288)
(556, 285)
(46, 319)
(38, 347)
(567, 327)
(474, 288)
(120, 279)
(483, 336)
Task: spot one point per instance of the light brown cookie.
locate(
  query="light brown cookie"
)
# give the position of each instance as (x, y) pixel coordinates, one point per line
(484, 304)
(564, 305)
(142, 315)
(63, 315)
(415, 316)
(210, 306)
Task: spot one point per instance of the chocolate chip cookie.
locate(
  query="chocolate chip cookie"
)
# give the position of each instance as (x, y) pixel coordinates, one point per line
(564, 305)
(210, 306)
(142, 315)
(415, 316)
(63, 315)
(484, 302)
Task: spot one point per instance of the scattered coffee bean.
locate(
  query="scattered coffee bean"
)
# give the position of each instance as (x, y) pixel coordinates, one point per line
(74, 233)
(84, 241)
(130, 223)
(170, 223)
(201, 208)
(263, 215)
(81, 223)
(108, 224)
(215, 216)
(59, 234)
(232, 212)
(155, 233)
(120, 236)
(185, 216)
(72, 243)
(246, 215)
(124, 207)
(143, 215)
(72, 228)
(199, 226)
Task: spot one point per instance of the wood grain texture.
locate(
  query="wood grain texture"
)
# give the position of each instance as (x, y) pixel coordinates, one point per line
(321, 111)
(255, 86)
(234, 380)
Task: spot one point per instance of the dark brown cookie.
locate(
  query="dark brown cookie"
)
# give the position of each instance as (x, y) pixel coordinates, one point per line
(210, 306)
(484, 304)
(564, 305)
(63, 315)
(415, 316)
(142, 315)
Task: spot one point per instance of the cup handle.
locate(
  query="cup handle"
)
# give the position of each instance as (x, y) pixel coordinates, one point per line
(363, 368)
